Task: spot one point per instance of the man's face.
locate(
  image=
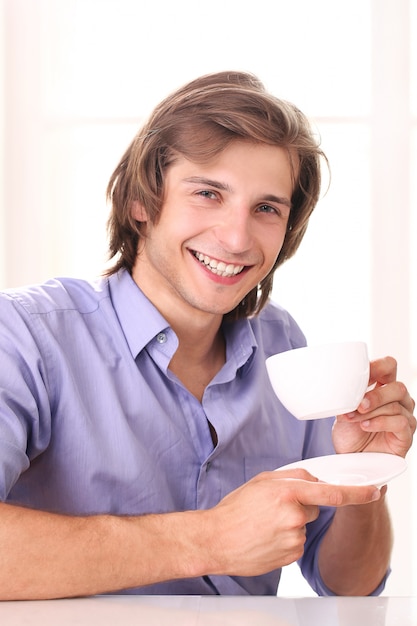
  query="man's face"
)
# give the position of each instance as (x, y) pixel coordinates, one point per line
(220, 230)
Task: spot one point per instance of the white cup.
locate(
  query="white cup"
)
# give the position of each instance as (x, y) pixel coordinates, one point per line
(320, 381)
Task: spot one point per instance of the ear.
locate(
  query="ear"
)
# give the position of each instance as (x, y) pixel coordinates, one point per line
(138, 212)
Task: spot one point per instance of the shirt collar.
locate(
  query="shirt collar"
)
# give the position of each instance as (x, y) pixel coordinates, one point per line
(241, 346)
(139, 319)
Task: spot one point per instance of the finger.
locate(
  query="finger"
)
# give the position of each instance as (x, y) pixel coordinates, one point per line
(381, 396)
(311, 513)
(325, 494)
(383, 370)
(401, 427)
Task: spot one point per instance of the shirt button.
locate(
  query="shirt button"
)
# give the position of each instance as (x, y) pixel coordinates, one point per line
(161, 338)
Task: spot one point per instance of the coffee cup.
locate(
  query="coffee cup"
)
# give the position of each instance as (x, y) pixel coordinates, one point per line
(320, 381)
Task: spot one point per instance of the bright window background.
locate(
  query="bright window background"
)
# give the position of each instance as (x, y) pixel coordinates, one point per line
(77, 77)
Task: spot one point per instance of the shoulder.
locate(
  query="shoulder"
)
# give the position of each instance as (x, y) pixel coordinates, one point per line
(276, 330)
(58, 294)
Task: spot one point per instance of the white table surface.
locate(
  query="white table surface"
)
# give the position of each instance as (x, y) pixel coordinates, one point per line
(211, 611)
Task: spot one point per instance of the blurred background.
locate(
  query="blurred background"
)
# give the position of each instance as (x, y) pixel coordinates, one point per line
(77, 78)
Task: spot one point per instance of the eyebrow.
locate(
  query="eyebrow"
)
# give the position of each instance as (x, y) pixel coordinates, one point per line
(201, 180)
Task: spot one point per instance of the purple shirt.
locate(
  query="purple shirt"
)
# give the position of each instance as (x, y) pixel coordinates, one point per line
(92, 420)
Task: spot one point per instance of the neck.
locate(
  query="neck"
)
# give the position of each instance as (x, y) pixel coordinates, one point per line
(201, 349)
(197, 360)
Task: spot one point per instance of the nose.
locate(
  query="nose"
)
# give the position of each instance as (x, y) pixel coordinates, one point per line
(234, 230)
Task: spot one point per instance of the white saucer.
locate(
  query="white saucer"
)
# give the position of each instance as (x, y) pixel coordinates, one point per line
(361, 468)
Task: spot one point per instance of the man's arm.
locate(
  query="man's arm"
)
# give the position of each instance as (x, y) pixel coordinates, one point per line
(354, 554)
(255, 529)
(44, 555)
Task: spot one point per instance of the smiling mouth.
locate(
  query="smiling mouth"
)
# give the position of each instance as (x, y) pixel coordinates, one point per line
(218, 267)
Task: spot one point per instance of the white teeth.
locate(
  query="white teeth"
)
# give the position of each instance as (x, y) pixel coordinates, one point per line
(218, 267)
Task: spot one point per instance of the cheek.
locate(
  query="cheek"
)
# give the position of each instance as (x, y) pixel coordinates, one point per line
(175, 223)
(273, 242)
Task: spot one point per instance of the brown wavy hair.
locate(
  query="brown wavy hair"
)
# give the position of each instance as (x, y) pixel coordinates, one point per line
(198, 121)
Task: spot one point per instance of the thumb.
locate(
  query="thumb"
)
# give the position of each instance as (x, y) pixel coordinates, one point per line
(326, 494)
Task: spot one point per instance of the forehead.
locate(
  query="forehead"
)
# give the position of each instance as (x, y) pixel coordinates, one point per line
(247, 160)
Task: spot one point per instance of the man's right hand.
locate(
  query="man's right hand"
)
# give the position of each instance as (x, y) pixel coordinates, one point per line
(262, 524)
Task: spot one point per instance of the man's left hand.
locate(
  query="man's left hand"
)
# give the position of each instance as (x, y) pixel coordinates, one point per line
(384, 420)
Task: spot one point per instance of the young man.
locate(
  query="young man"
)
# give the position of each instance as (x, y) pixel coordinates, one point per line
(138, 427)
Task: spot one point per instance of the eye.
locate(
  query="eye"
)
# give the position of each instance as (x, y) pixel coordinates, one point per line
(278, 209)
(206, 193)
(267, 208)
